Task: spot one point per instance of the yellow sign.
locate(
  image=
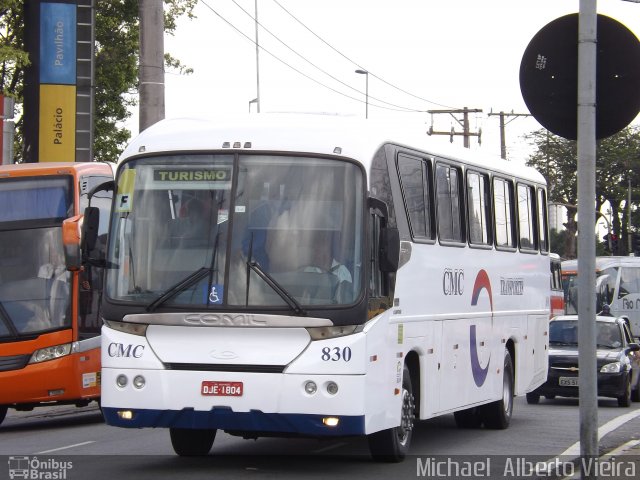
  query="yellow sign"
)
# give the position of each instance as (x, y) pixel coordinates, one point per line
(57, 136)
(124, 197)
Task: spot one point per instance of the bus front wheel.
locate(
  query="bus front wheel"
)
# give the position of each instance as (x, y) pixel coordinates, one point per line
(189, 442)
(392, 445)
(3, 412)
(497, 415)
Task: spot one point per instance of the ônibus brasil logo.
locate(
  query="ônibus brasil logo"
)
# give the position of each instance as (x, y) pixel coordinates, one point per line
(35, 468)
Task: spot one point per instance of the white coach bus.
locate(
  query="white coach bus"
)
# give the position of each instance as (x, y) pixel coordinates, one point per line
(617, 287)
(322, 277)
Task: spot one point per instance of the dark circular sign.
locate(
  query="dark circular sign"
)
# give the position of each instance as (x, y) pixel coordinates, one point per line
(549, 76)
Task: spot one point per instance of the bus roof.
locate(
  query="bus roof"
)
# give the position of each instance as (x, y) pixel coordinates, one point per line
(351, 137)
(602, 263)
(52, 168)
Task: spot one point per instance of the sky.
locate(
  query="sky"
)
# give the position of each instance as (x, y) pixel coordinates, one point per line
(420, 54)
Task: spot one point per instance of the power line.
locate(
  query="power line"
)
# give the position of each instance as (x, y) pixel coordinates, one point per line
(291, 66)
(317, 67)
(355, 63)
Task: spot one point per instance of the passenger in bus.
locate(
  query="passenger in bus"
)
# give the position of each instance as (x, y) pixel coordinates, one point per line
(200, 219)
(57, 279)
(324, 262)
(606, 311)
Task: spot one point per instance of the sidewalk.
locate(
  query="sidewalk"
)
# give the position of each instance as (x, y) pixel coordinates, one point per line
(622, 463)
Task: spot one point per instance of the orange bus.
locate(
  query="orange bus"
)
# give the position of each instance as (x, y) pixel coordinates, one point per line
(49, 306)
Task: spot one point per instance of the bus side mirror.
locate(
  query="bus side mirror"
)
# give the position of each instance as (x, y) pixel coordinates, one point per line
(71, 228)
(90, 230)
(389, 249)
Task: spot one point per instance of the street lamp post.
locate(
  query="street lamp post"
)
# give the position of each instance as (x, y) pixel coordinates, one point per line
(366, 96)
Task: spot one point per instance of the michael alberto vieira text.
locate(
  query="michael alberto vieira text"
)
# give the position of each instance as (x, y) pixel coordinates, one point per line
(521, 467)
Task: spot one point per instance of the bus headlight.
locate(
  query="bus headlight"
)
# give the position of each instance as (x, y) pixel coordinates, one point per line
(310, 387)
(139, 381)
(125, 327)
(332, 388)
(121, 381)
(323, 333)
(50, 353)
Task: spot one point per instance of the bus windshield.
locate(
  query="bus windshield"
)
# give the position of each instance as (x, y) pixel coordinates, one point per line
(211, 231)
(605, 287)
(34, 282)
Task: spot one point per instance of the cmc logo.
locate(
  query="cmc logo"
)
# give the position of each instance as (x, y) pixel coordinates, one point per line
(127, 351)
(453, 281)
(479, 374)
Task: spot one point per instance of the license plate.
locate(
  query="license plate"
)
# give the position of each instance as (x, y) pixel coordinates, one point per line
(221, 389)
(568, 381)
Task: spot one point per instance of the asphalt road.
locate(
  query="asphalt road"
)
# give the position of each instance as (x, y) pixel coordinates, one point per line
(96, 451)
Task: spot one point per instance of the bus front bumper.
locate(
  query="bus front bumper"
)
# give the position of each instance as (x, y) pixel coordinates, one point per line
(276, 403)
(223, 418)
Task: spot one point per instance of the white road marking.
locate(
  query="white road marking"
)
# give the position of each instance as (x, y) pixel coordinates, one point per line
(608, 427)
(64, 448)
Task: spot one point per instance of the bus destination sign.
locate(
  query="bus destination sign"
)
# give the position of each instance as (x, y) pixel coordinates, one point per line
(220, 174)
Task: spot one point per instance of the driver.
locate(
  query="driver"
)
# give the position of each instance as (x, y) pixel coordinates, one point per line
(323, 261)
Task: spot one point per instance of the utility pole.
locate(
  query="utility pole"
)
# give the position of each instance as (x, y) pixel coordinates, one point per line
(151, 88)
(503, 145)
(257, 60)
(464, 123)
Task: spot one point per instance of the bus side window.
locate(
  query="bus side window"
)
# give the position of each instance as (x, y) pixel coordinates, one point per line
(526, 217)
(543, 224)
(479, 208)
(89, 322)
(415, 181)
(449, 203)
(629, 281)
(503, 208)
(381, 284)
(375, 279)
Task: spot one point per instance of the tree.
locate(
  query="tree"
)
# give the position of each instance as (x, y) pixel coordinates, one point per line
(116, 60)
(556, 158)
(617, 162)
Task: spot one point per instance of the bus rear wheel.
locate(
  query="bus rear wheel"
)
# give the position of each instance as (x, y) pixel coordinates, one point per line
(497, 415)
(3, 412)
(392, 445)
(189, 442)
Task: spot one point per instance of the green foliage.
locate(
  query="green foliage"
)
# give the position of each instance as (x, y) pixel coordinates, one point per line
(617, 162)
(116, 65)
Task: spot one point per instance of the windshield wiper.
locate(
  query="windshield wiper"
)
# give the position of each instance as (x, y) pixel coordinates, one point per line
(178, 287)
(279, 289)
(191, 279)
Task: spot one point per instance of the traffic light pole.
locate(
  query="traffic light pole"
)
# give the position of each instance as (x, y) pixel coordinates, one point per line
(588, 396)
